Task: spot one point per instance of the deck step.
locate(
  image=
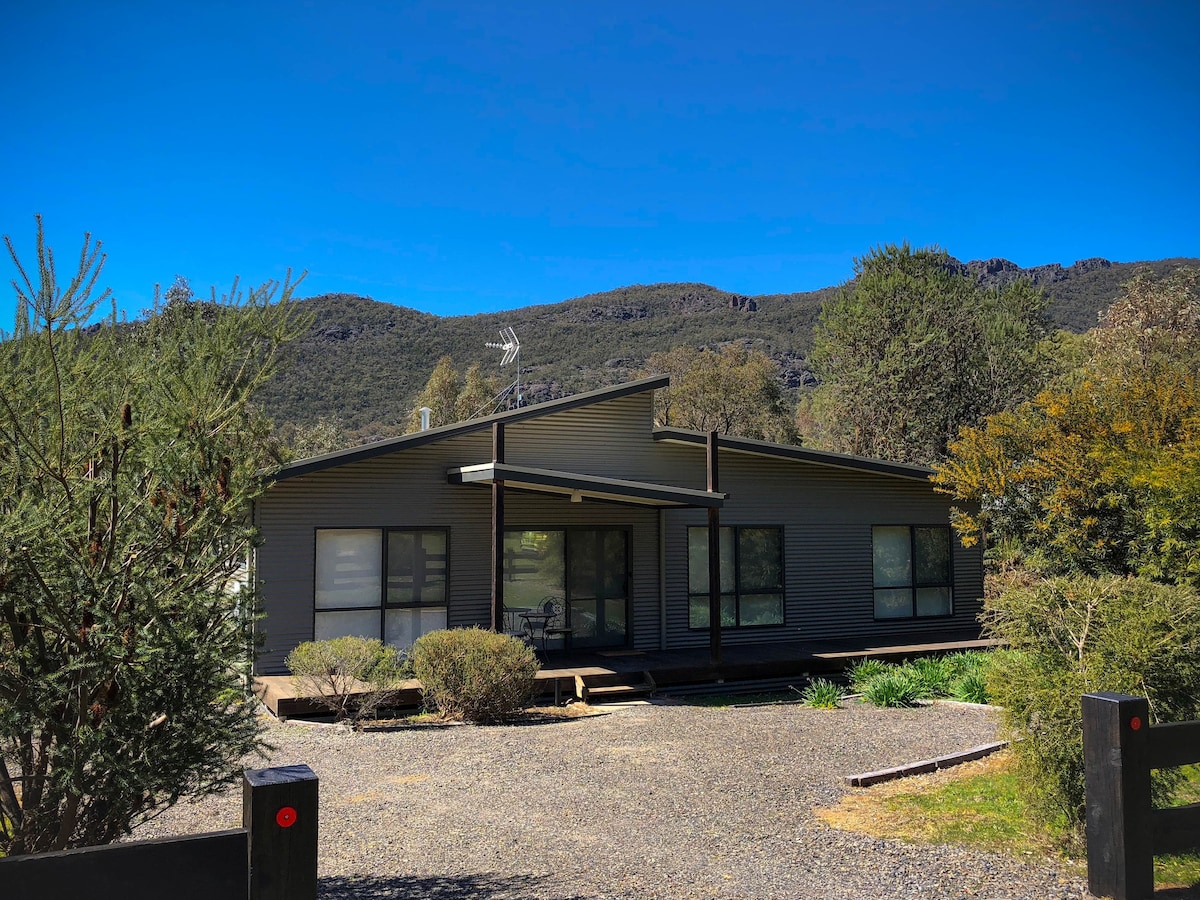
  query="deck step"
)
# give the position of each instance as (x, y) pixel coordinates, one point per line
(608, 690)
(592, 688)
(745, 686)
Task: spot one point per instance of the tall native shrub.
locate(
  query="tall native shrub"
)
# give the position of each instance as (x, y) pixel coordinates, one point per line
(1072, 636)
(129, 455)
(1100, 472)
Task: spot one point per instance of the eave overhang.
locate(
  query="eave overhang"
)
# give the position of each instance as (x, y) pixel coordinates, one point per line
(591, 487)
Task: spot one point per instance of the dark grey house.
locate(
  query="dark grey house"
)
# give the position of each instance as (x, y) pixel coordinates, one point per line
(583, 499)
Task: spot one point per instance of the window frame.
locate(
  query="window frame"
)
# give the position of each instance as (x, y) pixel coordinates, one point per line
(417, 604)
(568, 597)
(913, 583)
(382, 605)
(738, 592)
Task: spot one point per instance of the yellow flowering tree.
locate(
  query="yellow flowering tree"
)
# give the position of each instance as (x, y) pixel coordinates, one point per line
(1100, 473)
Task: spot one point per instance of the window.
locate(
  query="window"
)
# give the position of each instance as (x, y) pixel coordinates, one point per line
(751, 577)
(912, 571)
(380, 583)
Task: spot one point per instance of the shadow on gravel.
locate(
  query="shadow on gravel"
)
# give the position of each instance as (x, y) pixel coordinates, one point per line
(520, 721)
(447, 887)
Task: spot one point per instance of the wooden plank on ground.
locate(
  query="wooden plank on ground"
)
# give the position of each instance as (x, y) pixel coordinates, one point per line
(924, 766)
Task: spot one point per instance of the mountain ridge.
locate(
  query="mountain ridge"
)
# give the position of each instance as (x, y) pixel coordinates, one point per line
(363, 360)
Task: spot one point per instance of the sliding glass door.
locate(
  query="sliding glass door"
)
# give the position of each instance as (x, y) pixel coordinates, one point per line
(597, 587)
(586, 569)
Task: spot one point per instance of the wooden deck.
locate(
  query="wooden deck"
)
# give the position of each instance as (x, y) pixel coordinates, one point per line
(563, 673)
(749, 662)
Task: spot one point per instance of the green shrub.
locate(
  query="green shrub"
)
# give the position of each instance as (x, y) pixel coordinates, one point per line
(970, 662)
(822, 694)
(351, 676)
(891, 688)
(865, 671)
(970, 688)
(930, 676)
(475, 675)
(1072, 636)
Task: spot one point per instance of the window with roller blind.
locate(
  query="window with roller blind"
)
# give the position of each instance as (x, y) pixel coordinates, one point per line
(912, 571)
(386, 583)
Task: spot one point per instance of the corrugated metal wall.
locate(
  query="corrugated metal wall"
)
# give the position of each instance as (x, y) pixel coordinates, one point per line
(410, 489)
(826, 513)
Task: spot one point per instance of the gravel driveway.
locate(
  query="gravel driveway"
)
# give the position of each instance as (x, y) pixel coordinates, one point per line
(656, 801)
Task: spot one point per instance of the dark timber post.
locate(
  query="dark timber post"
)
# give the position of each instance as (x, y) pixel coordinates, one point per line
(1117, 785)
(714, 557)
(279, 813)
(497, 531)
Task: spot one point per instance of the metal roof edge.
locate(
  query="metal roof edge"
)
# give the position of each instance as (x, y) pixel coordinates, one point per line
(487, 472)
(457, 429)
(797, 453)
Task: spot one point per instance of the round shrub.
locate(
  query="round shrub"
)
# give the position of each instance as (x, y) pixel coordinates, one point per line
(350, 676)
(475, 675)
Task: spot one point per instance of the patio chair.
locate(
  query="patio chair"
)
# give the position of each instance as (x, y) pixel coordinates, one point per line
(556, 625)
(547, 622)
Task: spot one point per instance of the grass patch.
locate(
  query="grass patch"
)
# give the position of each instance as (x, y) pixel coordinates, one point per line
(979, 804)
(1189, 791)
(958, 675)
(822, 694)
(865, 671)
(892, 689)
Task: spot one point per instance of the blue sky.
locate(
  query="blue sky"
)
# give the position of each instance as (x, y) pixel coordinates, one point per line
(463, 157)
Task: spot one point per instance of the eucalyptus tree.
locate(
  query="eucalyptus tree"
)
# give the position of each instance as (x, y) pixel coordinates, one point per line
(912, 350)
(732, 390)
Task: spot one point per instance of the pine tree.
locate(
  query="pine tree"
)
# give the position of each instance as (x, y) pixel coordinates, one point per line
(129, 455)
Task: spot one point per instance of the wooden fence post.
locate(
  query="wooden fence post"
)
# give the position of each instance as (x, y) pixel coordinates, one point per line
(279, 812)
(1120, 855)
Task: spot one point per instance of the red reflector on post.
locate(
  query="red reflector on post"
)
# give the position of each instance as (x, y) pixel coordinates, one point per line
(1135, 723)
(286, 817)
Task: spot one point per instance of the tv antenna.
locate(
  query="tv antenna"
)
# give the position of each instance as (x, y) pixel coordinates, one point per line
(512, 351)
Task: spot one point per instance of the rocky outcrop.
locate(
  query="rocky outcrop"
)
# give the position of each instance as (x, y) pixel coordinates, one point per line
(998, 272)
(692, 303)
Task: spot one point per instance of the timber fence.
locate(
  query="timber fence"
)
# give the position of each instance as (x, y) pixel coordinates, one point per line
(273, 855)
(1124, 831)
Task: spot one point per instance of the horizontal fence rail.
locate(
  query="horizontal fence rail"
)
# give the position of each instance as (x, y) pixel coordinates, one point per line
(1124, 831)
(200, 867)
(272, 857)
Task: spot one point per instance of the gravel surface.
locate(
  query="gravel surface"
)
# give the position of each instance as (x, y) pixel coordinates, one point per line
(655, 801)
